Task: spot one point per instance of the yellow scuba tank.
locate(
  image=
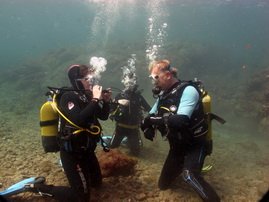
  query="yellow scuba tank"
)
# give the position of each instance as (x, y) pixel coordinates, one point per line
(206, 100)
(49, 127)
(207, 110)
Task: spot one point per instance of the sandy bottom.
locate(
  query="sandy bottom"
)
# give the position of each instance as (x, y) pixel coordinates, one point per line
(240, 168)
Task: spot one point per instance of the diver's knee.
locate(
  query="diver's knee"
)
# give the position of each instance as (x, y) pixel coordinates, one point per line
(163, 184)
(190, 178)
(163, 187)
(186, 175)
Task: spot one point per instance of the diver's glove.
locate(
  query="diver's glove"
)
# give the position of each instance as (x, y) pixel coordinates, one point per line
(149, 133)
(146, 127)
(160, 120)
(152, 120)
(146, 123)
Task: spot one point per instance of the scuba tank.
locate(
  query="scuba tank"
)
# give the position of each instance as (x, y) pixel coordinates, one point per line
(207, 110)
(50, 121)
(206, 100)
(49, 127)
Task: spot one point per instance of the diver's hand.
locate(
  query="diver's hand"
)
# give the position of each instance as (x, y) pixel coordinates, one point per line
(106, 95)
(123, 102)
(149, 133)
(146, 127)
(97, 92)
(156, 120)
(145, 123)
(159, 120)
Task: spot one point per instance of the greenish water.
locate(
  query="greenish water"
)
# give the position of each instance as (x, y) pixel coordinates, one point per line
(223, 43)
(216, 41)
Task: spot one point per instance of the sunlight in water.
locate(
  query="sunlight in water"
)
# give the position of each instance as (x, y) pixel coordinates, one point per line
(108, 14)
(111, 1)
(156, 30)
(104, 20)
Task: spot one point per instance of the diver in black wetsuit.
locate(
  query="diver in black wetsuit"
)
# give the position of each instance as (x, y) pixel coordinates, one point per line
(82, 108)
(178, 115)
(128, 119)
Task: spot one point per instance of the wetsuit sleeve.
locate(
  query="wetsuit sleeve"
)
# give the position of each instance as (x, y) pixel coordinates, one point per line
(70, 106)
(103, 111)
(188, 101)
(144, 104)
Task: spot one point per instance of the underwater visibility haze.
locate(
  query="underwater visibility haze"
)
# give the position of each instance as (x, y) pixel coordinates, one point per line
(224, 43)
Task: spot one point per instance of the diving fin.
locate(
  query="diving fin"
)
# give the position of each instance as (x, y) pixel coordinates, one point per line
(206, 168)
(22, 186)
(107, 139)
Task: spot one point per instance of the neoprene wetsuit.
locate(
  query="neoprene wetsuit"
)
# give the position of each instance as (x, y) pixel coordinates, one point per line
(186, 134)
(128, 119)
(77, 150)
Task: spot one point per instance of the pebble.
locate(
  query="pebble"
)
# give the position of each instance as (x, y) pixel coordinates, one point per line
(141, 196)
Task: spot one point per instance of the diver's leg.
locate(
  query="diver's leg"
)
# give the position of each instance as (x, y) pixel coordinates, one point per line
(59, 193)
(133, 141)
(94, 170)
(76, 174)
(193, 163)
(64, 193)
(173, 165)
(117, 137)
(2, 199)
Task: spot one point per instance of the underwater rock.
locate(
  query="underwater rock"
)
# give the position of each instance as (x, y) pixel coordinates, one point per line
(115, 163)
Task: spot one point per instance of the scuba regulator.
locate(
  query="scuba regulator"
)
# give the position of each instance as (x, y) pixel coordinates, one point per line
(156, 91)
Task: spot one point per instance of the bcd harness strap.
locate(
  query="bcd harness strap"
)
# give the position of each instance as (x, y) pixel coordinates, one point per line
(115, 111)
(79, 129)
(213, 116)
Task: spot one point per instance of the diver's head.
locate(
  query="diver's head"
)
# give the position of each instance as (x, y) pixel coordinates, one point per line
(162, 74)
(80, 76)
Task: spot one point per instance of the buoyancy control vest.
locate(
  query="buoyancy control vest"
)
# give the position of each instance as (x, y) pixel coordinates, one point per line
(200, 121)
(132, 113)
(50, 116)
(169, 103)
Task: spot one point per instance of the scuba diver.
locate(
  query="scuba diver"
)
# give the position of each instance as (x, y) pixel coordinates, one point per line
(178, 114)
(79, 131)
(128, 116)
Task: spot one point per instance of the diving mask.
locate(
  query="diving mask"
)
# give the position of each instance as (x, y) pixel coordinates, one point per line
(91, 79)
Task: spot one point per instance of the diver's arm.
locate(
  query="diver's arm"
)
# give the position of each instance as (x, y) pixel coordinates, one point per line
(188, 102)
(144, 104)
(103, 111)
